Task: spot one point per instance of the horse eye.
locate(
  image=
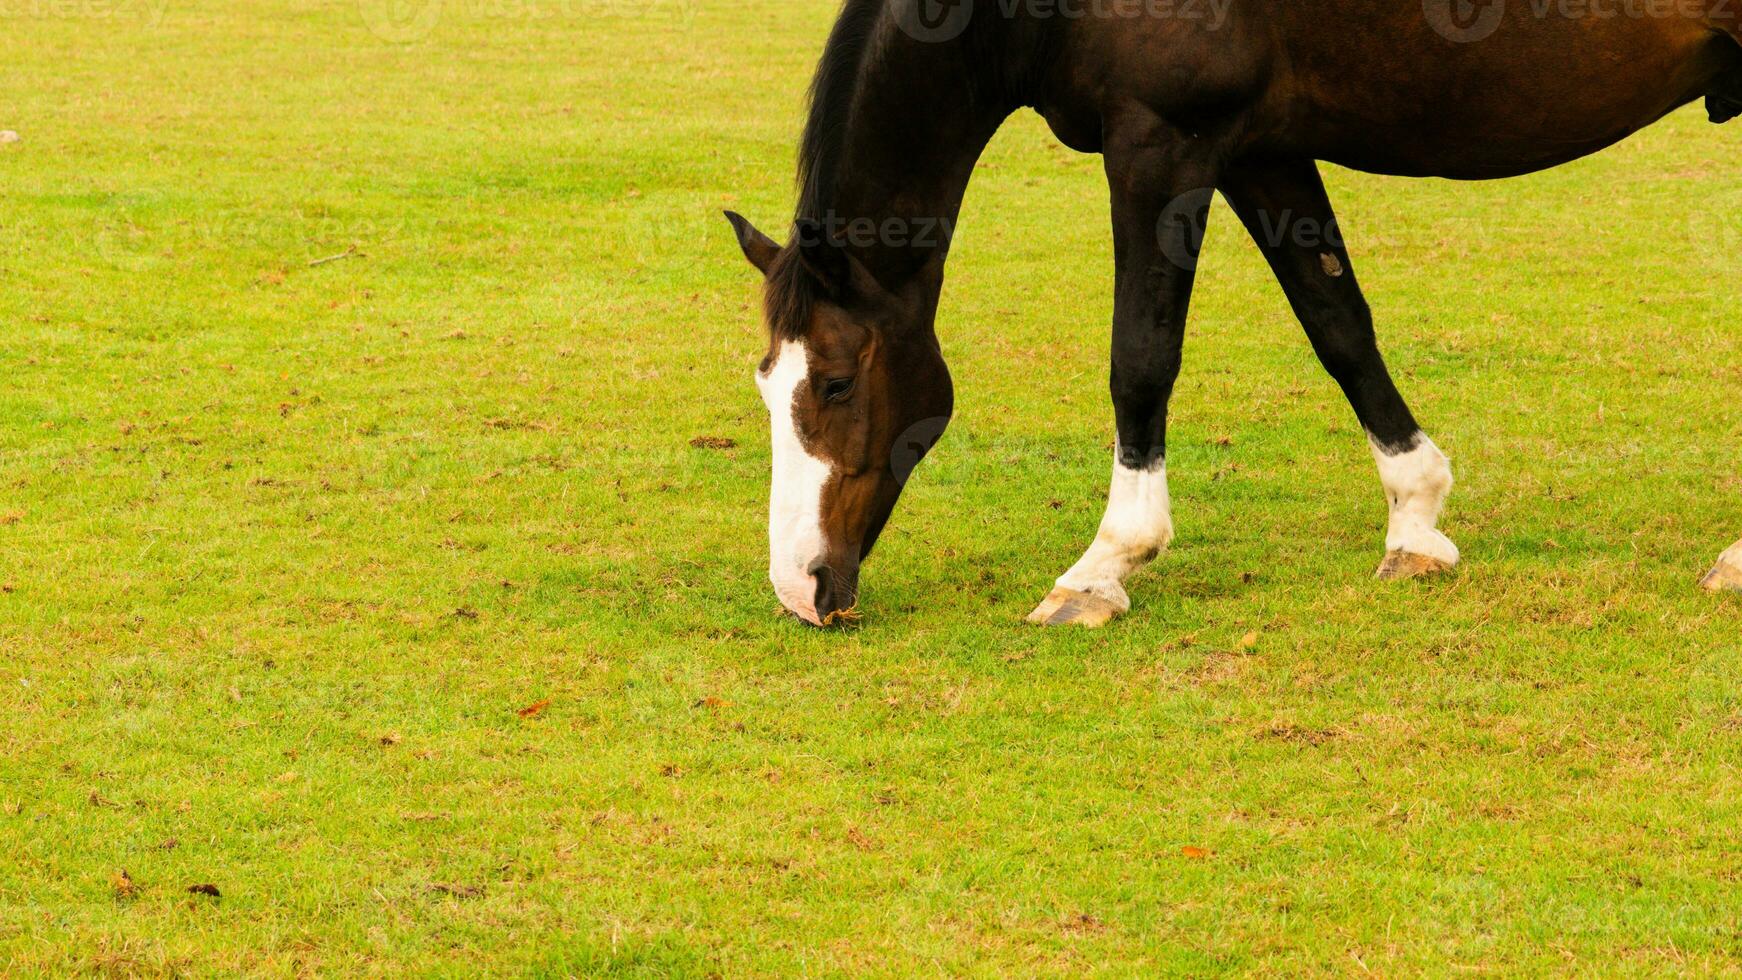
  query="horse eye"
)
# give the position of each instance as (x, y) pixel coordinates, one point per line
(837, 389)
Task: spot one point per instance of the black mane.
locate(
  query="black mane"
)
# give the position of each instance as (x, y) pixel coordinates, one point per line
(833, 94)
(792, 292)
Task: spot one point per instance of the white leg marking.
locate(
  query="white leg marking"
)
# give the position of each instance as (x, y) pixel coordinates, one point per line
(1416, 483)
(795, 525)
(1138, 526)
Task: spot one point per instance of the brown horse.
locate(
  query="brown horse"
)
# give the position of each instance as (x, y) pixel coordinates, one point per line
(1182, 98)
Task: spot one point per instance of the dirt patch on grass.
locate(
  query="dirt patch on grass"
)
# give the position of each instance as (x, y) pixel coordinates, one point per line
(1289, 732)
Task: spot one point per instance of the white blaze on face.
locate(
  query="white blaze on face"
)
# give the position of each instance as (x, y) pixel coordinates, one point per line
(795, 520)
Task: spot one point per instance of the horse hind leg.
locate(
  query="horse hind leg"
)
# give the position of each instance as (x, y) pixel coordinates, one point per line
(1286, 210)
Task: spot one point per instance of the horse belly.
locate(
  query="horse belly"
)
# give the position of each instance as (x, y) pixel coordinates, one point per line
(1402, 98)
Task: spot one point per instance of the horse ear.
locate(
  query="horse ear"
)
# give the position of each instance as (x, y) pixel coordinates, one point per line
(758, 248)
(823, 257)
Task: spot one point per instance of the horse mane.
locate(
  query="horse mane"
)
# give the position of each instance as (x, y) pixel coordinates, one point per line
(833, 93)
(792, 291)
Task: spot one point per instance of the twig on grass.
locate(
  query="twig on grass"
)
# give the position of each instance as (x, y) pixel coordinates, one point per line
(347, 253)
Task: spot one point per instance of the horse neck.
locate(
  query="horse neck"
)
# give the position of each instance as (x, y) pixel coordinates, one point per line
(922, 115)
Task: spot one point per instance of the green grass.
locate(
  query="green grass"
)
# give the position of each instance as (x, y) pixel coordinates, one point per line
(286, 545)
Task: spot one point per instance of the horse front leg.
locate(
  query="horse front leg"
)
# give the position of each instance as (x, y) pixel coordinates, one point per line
(1726, 576)
(1161, 188)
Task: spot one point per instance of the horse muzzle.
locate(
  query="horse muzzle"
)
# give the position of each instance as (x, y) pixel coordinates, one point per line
(820, 594)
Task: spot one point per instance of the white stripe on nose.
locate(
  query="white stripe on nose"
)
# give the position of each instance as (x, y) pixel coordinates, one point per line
(795, 520)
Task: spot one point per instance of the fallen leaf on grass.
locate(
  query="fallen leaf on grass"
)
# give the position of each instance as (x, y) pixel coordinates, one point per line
(712, 702)
(391, 738)
(124, 887)
(713, 442)
(1195, 853)
(534, 709)
(861, 840)
(1249, 641)
(99, 800)
(205, 889)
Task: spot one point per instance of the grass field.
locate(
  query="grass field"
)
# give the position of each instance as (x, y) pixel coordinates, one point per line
(292, 550)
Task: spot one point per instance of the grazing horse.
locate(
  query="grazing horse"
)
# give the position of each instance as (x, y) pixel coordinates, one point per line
(1182, 98)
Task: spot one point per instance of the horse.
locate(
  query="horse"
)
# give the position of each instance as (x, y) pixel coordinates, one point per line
(1182, 99)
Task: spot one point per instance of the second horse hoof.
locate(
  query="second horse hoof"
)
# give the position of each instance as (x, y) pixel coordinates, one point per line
(1064, 606)
(1408, 564)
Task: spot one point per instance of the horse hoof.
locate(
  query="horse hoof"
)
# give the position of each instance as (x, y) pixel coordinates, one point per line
(1064, 606)
(1408, 564)
(1725, 577)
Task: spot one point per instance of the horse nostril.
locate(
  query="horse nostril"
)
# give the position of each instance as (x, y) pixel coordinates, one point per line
(825, 599)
